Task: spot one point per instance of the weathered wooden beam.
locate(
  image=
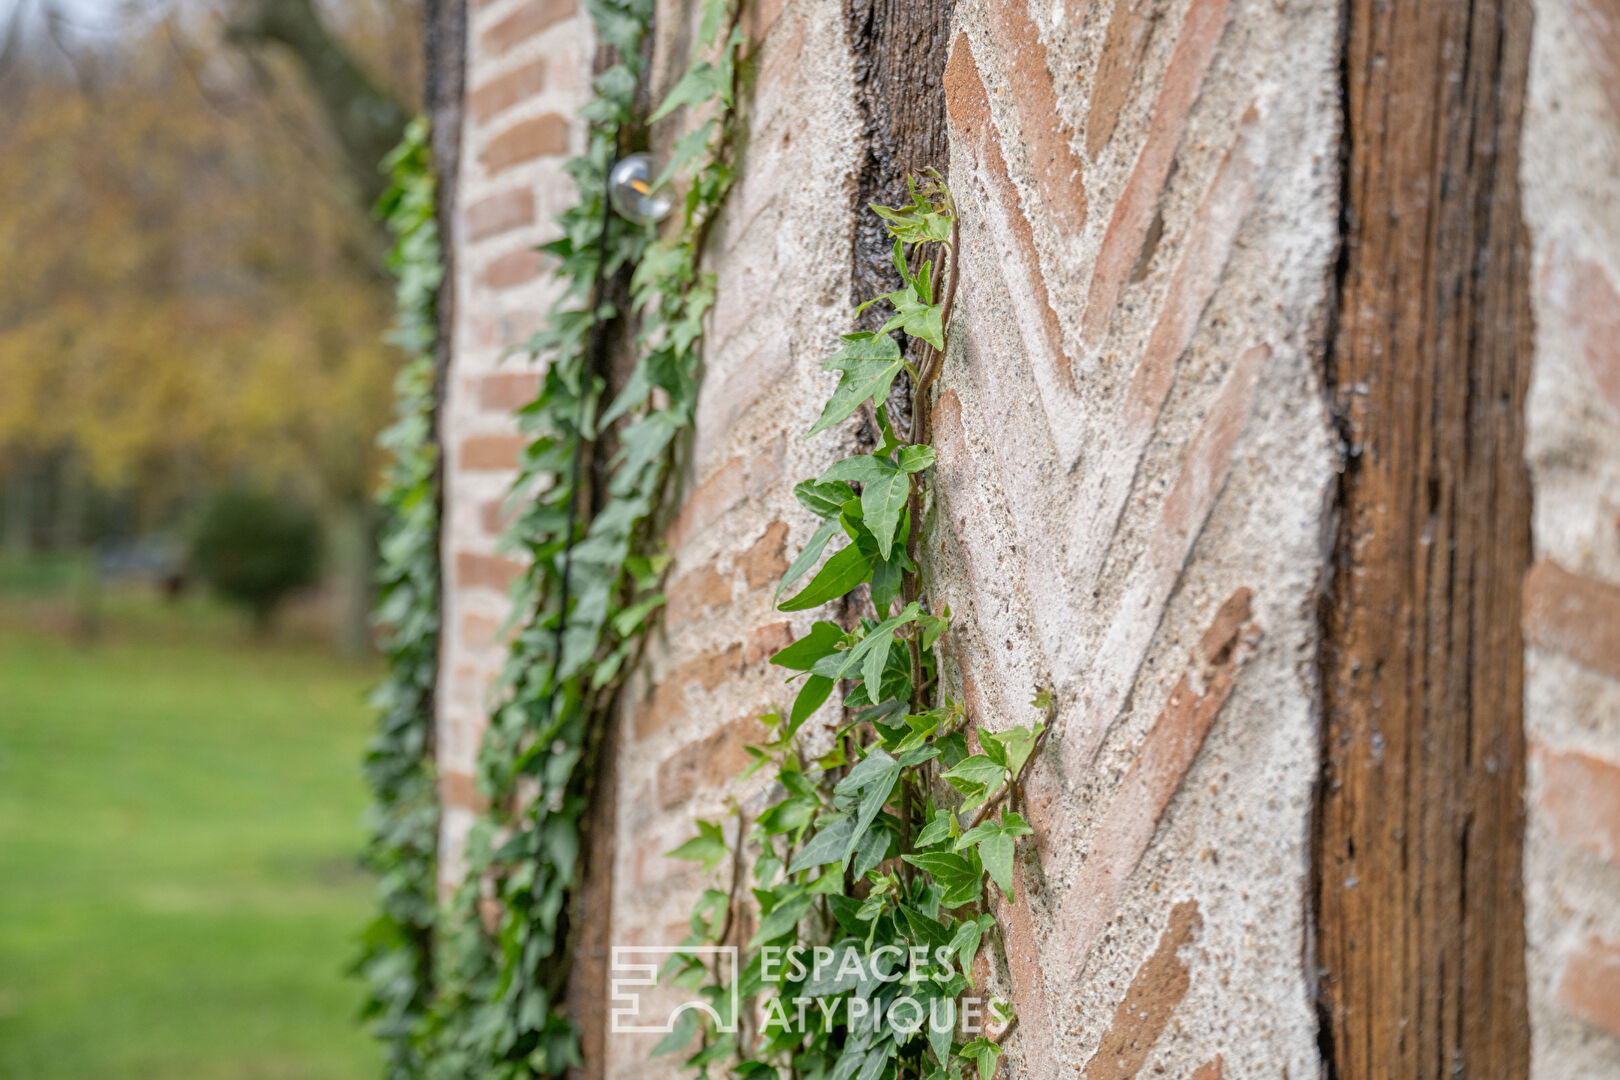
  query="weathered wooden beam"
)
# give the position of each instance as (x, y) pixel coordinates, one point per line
(1420, 916)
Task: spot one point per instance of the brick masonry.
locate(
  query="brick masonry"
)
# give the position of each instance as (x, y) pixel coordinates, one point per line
(1135, 461)
(1572, 592)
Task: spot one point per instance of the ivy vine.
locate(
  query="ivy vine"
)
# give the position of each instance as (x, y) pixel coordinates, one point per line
(403, 820)
(874, 862)
(590, 480)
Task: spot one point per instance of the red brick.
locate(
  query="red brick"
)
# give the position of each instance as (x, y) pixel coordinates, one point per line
(968, 105)
(1030, 999)
(757, 19)
(479, 631)
(475, 571)
(460, 790)
(1590, 986)
(539, 136)
(669, 697)
(1133, 214)
(512, 269)
(1131, 818)
(496, 515)
(498, 213)
(766, 641)
(1581, 795)
(695, 594)
(1204, 467)
(502, 92)
(491, 453)
(508, 391)
(1574, 615)
(709, 763)
(725, 488)
(1116, 67)
(765, 560)
(525, 22)
(1210, 1070)
(1599, 34)
(1586, 302)
(1155, 991)
(1047, 138)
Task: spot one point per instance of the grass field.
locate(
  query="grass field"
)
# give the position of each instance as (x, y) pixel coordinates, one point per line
(179, 813)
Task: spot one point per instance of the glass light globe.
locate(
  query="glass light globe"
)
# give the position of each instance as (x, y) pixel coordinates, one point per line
(630, 191)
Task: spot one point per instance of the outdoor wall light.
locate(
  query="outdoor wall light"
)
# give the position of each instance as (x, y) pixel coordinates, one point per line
(630, 190)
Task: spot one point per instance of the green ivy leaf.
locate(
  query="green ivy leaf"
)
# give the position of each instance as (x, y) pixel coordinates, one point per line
(860, 469)
(882, 503)
(983, 1053)
(782, 919)
(823, 500)
(812, 551)
(974, 777)
(700, 83)
(822, 640)
(812, 694)
(826, 846)
(841, 574)
(916, 458)
(869, 364)
(1015, 744)
(996, 852)
(707, 847)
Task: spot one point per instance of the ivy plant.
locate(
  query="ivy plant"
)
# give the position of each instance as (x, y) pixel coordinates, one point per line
(403, 820)
(591, 477)
(874, 861)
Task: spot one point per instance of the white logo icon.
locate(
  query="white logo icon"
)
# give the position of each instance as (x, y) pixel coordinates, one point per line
(629, 974)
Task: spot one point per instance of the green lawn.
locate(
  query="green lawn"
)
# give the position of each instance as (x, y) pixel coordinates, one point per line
(179, 814)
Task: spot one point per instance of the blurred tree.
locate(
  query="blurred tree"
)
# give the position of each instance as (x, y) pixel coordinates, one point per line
(191, 291)
(255, 549)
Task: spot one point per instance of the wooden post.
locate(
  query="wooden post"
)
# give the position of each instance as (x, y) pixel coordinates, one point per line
(1417, 885)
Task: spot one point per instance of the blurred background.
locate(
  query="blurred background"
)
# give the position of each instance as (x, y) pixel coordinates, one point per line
(193, 372)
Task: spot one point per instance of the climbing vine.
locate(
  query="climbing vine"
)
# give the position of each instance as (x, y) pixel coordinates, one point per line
(403, 821)
(590, 481)
(875, 863)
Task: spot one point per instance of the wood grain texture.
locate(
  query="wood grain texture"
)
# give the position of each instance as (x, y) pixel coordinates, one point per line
(898, 48)
(1420, 818)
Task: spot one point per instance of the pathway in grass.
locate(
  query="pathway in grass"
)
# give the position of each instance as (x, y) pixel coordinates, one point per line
(179, 815)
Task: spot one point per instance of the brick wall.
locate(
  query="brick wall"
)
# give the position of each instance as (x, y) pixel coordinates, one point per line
(1135, 479)
(528, 71)
(1572, 594)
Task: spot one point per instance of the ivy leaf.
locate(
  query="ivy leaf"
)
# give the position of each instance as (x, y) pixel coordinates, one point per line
(876, 1059)
(707, 847)
(680, 1036)
(888, 578)
(949, 870)
(826, 846)
(860, 469)
(823, 500)
(965, 942)
(871, 850)
(983, 1053)
(916, 315)
(1015, 744)
(874, 778)
(1013, 824)
(869, 364)
(783, 918)
(882, 502)
(935, 831)
(974, 776)
(812, 551)
(812, 694)
(877, 640)
(916, 458)
(700, 83)
(802, 655)
(996, 852)
(841, 574)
